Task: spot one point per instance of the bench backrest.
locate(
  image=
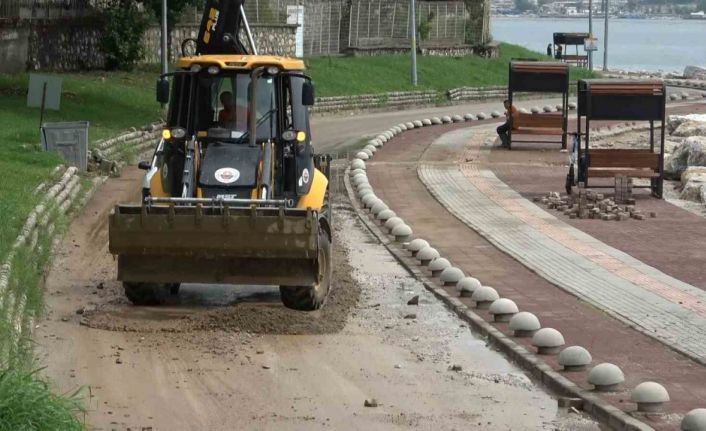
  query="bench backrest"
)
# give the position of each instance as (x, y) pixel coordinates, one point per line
(549, 121)
(623, 159)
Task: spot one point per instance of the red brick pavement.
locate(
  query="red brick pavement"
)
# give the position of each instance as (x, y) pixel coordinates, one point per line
(608, 340)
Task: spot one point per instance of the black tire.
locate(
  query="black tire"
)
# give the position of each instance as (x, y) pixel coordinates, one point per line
(150, 293)
(309, 298)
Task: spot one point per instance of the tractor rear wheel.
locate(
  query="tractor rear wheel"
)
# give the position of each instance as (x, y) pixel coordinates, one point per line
(309, 298)
(150, 293)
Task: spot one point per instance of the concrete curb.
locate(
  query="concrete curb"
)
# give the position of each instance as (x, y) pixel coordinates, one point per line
(599, 409)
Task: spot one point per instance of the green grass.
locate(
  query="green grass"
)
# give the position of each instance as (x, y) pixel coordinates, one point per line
(111, 102)
(334, 76)
(27, 403)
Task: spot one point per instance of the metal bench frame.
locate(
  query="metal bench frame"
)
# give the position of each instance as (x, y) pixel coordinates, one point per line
(621, 100)
(539, 77)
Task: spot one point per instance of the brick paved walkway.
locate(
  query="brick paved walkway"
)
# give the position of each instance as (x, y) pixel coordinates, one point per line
(659, 305)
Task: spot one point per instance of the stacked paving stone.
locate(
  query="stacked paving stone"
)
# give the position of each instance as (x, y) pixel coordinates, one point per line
(591, 205)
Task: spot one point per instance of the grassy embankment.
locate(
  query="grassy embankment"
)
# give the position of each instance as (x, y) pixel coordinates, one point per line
(113, 102)
(369, 75)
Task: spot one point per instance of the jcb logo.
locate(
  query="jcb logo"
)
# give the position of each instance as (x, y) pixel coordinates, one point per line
(213, 15)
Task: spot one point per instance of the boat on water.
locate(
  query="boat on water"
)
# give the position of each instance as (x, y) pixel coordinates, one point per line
(696, 15)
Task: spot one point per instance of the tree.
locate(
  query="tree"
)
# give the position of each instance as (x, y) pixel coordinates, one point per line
(524, 5)
(701, 6)
(121, 41)
(174, 11)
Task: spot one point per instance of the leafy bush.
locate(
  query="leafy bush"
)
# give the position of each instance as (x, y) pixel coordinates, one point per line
(125, 25)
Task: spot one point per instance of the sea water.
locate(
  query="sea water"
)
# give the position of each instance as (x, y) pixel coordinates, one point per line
(634, 44)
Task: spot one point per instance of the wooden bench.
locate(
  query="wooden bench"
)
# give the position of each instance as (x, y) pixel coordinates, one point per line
(547, 124)
(579, 60)
(631, 163)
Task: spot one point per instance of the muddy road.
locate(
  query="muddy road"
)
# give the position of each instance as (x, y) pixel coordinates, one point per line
(223, 358)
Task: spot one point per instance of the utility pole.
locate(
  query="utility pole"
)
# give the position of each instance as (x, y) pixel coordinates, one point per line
(590, 33)
(413, 39)
(165, 57)
(605, 38)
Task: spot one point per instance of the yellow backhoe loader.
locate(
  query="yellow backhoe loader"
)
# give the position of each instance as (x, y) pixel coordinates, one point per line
(234, 193)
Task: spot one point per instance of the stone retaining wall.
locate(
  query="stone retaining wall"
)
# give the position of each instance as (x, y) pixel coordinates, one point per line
(274, 39)
(488, 51)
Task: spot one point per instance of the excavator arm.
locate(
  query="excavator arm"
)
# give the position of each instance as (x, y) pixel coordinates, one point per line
(222, 23)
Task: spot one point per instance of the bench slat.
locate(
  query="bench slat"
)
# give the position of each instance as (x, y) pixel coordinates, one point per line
(609, 173)
(639, 159)
(538, 120)
(537, 131)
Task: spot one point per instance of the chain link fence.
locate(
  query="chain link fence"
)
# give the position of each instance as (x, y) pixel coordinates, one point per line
(384, 23)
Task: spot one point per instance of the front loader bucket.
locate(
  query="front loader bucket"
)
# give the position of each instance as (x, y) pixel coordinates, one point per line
(211, 244)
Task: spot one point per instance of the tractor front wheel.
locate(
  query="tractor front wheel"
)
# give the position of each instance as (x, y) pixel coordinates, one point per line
(309, 298)
(150, 293)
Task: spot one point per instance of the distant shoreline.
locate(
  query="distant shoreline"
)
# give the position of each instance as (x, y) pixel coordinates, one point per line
(567, 17)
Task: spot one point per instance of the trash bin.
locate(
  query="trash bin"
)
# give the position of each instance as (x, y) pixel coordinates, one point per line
(70, 139)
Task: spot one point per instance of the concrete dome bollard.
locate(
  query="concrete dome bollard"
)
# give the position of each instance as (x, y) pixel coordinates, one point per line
(438, 265)
(649, 396)
(572, 105)
(364, 190)
(358, 164)
(362, 183)
(484, 296)
(466, 286)
(559, 107)
(361, 155)
(470, 117)
(446, 119)
(605, 377)
(417, 245)
(503, 309)
(524, 111)
(450, 276)
(426, 122)
(376, 143)
(381, 138)
(574, 358)
(695, 420)
(372, 148)
(402, 232)
(354, 172)
(547, 108)
(402, 126)
(426, 255)
(673, 97)
(360, 176)
(392, 222)
(388, 134)
(535, 110)
(409, 125)
(684, 95)
(368, 199)
(367, 151)
(495, 114)
(524, 324)
(437, 121)
(482, 116)
(457, 118)
(385, 215)
(548, 341)
(417, 123)
(378, 208)
(372, 202)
